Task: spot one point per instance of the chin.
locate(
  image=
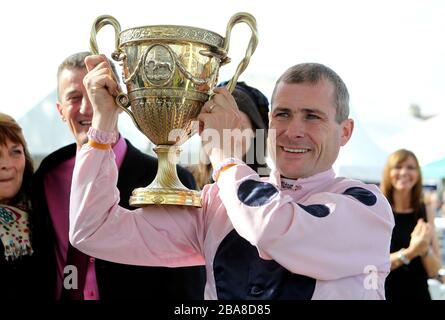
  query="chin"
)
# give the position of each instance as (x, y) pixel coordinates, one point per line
(290, 174)
(6, 197)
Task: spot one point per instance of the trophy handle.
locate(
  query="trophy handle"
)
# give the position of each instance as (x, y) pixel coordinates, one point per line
(123, 102)
(248, 19)
(100, 22)
(122, 99)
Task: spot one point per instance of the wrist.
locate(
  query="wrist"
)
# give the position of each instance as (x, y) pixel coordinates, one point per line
(99, 137)
(217, 155)
(410, 253)
(402, 257)
(428, 253)
(105, 122)
(223, 166)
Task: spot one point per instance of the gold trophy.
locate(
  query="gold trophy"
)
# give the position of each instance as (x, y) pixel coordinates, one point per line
(170, 72)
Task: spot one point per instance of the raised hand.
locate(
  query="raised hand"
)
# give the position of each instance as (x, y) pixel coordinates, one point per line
(102, 89)
(220, 128)
(420, 238)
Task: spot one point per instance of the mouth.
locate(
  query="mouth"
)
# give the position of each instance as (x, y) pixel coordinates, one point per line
(296, 150)
(404, 180)
(85, 123)
(6, 180)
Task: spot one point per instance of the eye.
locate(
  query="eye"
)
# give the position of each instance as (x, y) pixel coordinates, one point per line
(16, 152)
(281, 114)
(74, 99)
(312, 116)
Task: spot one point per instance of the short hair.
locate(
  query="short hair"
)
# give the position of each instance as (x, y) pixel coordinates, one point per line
(77, 61)
(11, 130)
(313, 73)
(395, 159)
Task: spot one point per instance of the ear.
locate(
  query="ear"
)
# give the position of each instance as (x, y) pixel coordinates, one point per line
(347, 126)
(60, 110)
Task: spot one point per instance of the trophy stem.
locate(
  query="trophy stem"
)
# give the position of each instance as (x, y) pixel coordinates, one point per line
(167, 176)
(166, 188)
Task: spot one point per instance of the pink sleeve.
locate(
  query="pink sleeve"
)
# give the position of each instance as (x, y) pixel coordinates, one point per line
(328, 235)
(155, 235)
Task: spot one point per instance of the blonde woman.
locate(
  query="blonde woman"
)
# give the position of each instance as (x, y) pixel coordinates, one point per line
(415, 254)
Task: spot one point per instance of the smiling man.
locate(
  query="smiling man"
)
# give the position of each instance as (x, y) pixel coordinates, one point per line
(302, 233)
(73, 104)
(99, 279)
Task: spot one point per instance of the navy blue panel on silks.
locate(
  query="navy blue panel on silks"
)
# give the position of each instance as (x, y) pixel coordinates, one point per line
(364, 196)
(240, 274)
(254, 193)
(317, 210)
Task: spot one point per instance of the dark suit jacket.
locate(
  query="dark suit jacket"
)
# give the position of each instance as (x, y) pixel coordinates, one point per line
(119, 281)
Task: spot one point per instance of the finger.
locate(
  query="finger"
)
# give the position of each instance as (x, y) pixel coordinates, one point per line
(202, 118)
(92, 61)
(224, 97)
(208, 106)
(112, 74)
(418, 224)
(226, 110)
(428, 229)
(100, 65)
(223, 92)
(95, 82)
(421, 226)
(415, 230)
(103, 71)
(103, 67)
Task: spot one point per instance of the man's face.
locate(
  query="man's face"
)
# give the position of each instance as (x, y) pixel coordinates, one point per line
(73, 105)
(308, 138)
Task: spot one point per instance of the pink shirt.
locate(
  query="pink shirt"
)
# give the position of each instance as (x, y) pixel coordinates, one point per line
(57, 190)
(346, 248)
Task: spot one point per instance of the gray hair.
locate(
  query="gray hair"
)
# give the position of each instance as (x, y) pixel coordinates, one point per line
(313, 73)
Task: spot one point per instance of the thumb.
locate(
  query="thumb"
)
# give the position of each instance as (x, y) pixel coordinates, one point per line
(92, 61)
(416, 229)
(201, 120)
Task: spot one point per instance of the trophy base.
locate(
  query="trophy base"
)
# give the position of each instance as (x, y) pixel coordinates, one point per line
(142, 197)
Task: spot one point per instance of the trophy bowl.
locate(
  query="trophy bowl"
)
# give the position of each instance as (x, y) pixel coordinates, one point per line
(169, 72)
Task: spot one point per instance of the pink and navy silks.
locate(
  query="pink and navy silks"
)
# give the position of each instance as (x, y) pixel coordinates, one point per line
(323, 238)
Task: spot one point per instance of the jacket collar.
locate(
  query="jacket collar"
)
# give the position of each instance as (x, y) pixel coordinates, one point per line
(306, 184)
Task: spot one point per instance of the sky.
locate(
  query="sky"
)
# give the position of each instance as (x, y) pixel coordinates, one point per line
(391, 54)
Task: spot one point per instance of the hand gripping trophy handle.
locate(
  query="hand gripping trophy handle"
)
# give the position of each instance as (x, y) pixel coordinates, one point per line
(122, 99)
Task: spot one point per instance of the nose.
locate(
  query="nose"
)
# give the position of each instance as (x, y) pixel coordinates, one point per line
(403, 171)
(5, 161)
(86, 108)
(296, 128)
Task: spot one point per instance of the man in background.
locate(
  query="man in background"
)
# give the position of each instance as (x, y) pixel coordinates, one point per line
(99, 279)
